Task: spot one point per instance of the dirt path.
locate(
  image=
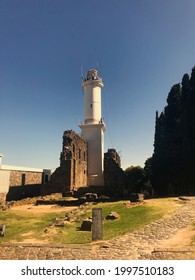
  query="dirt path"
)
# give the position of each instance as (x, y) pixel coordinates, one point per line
(182, 238)
(31, 208)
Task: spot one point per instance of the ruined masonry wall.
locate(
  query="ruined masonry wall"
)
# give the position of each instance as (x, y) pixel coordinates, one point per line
(24, 184)
(74, 149)
(29, 178)
(72, 172)
(114, 177)
(2, 198)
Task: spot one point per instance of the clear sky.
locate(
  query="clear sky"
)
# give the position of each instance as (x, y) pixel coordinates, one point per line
(143, 47)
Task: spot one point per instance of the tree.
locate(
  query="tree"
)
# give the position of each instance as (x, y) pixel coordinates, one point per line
(148, 168)
(192, 79)
(172, 163)
(134, 175)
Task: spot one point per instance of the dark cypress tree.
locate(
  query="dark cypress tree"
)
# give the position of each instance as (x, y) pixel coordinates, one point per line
(185, 132)
(159, 159)
(174, 143)
(185, 87)
(190, 137)
(192, 79)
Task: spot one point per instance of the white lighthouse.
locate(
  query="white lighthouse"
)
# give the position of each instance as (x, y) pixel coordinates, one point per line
(93, 129)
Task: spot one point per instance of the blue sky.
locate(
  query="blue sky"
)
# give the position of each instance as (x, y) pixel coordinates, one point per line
(143, 47)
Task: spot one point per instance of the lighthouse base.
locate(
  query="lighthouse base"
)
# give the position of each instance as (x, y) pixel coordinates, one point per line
(94, 135)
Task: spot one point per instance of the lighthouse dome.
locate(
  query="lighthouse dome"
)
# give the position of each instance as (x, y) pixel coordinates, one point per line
(92, 74)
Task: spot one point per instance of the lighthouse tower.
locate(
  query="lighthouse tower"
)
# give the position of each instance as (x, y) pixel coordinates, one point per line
(93, 129)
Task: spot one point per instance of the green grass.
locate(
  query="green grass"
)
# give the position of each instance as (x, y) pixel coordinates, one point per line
(130, 219)
(21, 225)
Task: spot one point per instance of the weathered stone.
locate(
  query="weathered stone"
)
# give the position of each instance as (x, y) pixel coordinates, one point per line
(103, 198)
(127, 204)
(97, 230)
(50, 230)
(72, 172)
(114, 177)
(91, 196)
(2, 197)
(78, 219)
(112, 216)
(136, 197)
(86, 225)
(184, 198)
(3, 205)
(69, 217)
(31, 178)
(59, 224)
(67, 193)
(2, 230)
(25, 183)
(82, 198)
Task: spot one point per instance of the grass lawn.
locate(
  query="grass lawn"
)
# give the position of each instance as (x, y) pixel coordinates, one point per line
(18, 224)
(21, 225)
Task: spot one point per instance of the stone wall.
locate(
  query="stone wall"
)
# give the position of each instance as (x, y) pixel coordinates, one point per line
(20, 192)
(3, 201)
(2, 197)
(114, 177)
(75, 149)
(24, 184)
(112, 154)
(72, 172)
(21, 178)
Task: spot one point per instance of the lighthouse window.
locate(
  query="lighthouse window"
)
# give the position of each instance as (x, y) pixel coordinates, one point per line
(91, 105)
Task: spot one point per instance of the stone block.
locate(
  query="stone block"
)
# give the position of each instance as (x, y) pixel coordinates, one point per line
(2, 230)
(86, 225)
(112, 216)
(91, 196)
(184, 198)
(136, 197)
(97, 228)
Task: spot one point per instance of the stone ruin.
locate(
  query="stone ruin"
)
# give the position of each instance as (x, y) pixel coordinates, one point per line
(112, 216)
(71, 175)
(70, 178)
(3, 205)
(72, 172)
(114, 177)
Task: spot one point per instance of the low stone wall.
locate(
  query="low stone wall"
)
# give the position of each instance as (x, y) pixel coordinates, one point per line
(2, 201)
(24, 184)
(17, 193)
(33, 200)
(3, 196)
(19, 178)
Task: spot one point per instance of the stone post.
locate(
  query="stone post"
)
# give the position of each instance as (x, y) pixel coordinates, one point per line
(2, 230)
(97, 232)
